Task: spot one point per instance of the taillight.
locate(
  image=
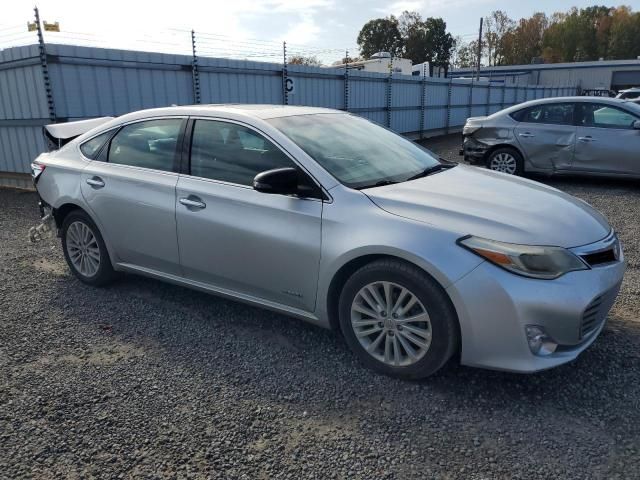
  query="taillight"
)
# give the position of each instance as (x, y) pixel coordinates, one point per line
(36, 170)
(470, 129)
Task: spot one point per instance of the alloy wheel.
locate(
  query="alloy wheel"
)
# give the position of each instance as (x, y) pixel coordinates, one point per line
(83, 249)
(504, 162)
(391, 323)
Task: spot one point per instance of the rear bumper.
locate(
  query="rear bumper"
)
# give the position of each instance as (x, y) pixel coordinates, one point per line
(47, 225)
(495, 306)
(473, 150)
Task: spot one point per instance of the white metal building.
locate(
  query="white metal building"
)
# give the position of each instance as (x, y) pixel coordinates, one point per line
(381, 62)
(601, 75)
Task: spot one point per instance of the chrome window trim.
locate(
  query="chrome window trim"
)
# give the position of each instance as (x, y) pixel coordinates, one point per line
(139, 169)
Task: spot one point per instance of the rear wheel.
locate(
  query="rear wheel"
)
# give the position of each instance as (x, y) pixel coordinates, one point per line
(85, 250)
(506, 160)
(398, 320)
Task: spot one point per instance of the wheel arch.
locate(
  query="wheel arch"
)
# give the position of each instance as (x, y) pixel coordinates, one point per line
(64, 209)
(351, 266)
(61, 212)
(497, 146)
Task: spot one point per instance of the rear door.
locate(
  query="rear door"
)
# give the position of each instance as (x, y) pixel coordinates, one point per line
(606, 140)
(547, 134)
(234, 238)
(130, 188)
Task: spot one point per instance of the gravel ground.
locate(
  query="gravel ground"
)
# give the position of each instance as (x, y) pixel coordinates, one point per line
(145, 379)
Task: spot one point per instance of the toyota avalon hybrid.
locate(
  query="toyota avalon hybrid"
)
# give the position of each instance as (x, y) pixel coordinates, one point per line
(327, 217)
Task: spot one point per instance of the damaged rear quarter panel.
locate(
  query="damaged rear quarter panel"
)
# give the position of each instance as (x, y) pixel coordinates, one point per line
(60, 184)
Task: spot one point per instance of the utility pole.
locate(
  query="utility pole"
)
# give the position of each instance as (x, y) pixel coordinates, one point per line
(479, 48)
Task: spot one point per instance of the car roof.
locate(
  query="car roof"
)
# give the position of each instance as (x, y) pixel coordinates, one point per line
(633, 89)
(229, 110)
(542, 101)
(250, 113)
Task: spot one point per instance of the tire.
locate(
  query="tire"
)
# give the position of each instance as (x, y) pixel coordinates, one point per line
(74, 247)
(440, 333)
(506, 160)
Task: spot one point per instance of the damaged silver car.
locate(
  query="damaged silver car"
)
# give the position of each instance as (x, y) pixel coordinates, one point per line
(570, 135)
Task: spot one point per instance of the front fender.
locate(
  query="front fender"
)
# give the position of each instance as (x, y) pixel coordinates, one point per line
(348, 229)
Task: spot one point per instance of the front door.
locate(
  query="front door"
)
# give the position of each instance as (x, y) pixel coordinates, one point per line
(131, 191)
(264, 246)
(547, 135)
(607, 141)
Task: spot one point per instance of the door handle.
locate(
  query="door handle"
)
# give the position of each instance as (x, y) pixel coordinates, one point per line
(95, 182)
(587, 139)
(193, 202)
(527, 135)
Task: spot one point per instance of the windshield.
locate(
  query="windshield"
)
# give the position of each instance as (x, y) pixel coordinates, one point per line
(630, 95)
(357, 152)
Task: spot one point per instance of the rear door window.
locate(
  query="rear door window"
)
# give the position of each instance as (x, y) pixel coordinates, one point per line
(548, 113)
(149, 144)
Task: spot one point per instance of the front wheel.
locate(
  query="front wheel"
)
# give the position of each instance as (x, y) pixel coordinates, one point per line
(506, 160)
(398, 320)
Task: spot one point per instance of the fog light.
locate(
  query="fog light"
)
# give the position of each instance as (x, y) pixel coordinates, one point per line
(539, 342)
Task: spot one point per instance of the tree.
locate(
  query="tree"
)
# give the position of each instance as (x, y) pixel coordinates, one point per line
(497, 25)
(311, 61)
(380, 35)
(415, 38)
(624, 39)
(409, 36)
(572, 36)
(465, 54)
(407, 22)
(523, 43)
(441, 42)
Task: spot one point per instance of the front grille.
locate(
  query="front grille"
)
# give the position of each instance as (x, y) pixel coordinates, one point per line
(599, 258)
(591, 318)
(600, 253)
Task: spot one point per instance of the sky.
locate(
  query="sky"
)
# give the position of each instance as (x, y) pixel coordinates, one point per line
(247, 27)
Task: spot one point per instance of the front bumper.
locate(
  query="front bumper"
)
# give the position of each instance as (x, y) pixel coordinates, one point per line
(495, 306)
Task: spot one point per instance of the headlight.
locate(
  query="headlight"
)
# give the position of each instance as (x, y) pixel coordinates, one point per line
(528, 260)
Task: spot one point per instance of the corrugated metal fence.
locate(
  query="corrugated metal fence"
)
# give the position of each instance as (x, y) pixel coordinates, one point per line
(88, 82)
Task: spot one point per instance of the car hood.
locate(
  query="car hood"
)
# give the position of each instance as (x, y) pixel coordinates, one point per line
(473, 201)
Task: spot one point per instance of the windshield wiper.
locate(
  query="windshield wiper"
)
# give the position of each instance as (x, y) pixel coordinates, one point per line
(428, 171)
(381, 183)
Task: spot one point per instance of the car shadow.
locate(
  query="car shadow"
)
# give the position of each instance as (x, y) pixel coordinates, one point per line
(247, 346)
(614, 185)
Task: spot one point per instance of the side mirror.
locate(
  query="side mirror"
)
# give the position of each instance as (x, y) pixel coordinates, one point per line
(636, 125)
(283, 181)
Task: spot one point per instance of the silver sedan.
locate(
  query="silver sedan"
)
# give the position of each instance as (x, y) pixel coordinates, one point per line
(330, 218)
(570, 135)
